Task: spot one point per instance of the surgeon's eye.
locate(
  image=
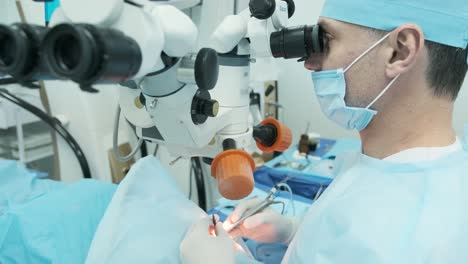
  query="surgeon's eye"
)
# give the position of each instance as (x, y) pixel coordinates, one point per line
(327, 38)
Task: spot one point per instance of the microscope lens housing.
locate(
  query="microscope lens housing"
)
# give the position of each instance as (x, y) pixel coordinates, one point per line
(297, 42)
(19, 52)
(88, 54)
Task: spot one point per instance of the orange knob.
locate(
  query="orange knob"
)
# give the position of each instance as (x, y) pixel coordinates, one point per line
(233, 169)
(283, 139)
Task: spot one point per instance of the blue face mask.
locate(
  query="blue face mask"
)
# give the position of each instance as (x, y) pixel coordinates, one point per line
(330, 88)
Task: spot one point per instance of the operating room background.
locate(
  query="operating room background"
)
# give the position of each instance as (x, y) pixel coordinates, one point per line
(296, 94)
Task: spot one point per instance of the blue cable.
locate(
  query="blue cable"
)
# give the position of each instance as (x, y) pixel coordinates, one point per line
(49, 9)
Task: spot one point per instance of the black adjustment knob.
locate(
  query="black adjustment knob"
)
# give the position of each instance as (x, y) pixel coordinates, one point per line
(206, 69)
(203, 107)
(208, 107)
(229, 143)
(291, 7)
(262, 9)
(265, 134)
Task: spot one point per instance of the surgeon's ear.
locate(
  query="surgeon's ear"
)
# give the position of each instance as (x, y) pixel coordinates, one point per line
(407, 43)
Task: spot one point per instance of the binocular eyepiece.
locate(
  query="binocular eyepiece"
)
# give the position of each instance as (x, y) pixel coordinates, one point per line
(83, 53)
(87, 54)
(297, 42)
(20, 52)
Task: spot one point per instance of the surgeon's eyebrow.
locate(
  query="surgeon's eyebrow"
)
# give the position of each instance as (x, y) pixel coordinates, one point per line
(326, 26)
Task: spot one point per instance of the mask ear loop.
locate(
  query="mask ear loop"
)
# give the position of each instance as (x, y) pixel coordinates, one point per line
(383, 91)
(364, 54)
(367, 51)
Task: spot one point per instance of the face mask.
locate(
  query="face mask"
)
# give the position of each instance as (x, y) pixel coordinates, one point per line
(330, 88)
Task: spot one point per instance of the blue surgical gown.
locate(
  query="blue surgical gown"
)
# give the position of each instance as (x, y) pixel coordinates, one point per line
(146, 219)
(43, 221)
(376, 211)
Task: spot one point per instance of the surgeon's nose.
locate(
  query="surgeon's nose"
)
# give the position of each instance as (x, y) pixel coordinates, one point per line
(314, 63)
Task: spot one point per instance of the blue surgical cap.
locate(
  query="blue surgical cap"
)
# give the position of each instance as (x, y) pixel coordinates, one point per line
(443, 21)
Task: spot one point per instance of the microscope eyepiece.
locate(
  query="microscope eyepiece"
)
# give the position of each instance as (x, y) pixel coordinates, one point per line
(67, 52)
(297, 42)
(19, 52)
(7, 47)
(88, 54)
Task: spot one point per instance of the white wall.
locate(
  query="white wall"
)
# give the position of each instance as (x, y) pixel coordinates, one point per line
(8, 13)
(461, 109)
(296, 92)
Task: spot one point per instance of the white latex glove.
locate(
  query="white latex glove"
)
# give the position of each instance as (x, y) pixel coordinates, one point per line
(199, 246)
(267, 226)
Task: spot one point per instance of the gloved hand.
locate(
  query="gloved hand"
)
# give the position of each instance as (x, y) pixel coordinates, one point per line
(199, 246)
(267, 226)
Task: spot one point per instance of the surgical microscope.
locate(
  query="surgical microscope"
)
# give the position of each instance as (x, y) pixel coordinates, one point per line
(195, 104)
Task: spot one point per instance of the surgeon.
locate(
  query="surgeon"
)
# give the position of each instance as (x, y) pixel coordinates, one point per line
(392, 70)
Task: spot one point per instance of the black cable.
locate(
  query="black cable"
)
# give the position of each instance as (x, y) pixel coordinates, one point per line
(144, 149)
(56, 125)
(200, 183)
(9, 80)
(190, 181)
(133, 3)
(6, 81)
(155, 152)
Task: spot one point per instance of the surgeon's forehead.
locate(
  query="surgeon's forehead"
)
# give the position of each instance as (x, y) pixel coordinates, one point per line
(328, 24)
(336, 27)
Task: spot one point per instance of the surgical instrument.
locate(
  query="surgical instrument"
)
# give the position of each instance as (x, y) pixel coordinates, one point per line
(269, 200)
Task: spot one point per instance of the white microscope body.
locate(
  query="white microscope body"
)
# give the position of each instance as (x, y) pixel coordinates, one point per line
(161, 28)
(194, 102)
(157, 28)
(241, 41)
